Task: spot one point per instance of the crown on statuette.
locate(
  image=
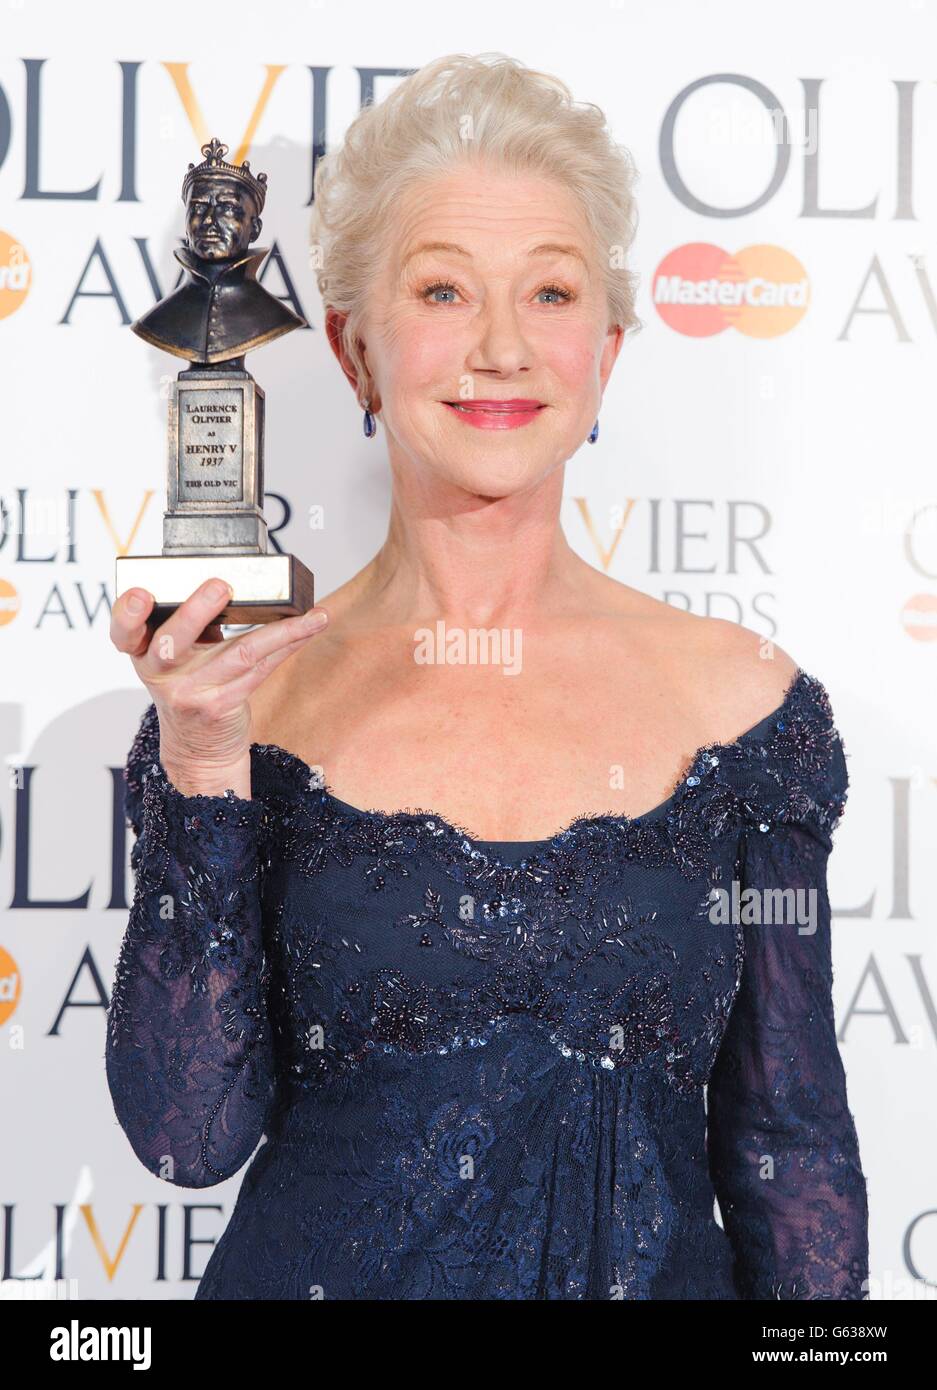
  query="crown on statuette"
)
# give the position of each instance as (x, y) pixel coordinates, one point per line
(215, 164)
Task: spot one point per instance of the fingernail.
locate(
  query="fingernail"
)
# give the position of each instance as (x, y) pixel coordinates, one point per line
(218, 589)
(315, 618)
(135, 604)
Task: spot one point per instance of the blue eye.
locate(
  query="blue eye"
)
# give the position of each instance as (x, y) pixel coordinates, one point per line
(441, 286)
(446, 287)
(555, 289)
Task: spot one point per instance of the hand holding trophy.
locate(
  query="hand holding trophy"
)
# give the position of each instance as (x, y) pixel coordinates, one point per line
(214, 524)
(215, 567)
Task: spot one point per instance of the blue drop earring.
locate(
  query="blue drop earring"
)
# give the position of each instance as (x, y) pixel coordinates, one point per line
(595, 433)
(370, 424)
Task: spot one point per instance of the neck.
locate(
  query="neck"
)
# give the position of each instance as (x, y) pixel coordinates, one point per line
(470, 560)
(247, 260)
(212, 269)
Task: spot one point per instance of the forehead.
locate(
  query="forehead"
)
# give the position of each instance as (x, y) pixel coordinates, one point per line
(221, 188)
(491, 211)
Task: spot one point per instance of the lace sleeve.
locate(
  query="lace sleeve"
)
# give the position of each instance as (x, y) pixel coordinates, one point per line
(782, 1144)
(188, 1053)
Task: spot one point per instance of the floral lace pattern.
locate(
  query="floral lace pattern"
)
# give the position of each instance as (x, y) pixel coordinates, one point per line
(482, 1076)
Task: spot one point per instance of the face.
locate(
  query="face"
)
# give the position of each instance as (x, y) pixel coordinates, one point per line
(221, 218)
(487, 332)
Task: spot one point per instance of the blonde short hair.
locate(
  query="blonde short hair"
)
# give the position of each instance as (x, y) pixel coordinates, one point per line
(454, 109)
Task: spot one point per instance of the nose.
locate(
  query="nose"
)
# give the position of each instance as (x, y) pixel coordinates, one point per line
(501, 346)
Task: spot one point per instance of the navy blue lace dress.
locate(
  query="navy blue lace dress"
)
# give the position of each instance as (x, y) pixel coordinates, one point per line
(499, 1070)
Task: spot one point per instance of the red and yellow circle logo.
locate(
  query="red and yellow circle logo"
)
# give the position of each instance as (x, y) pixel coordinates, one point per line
(15, 274)
(9, 985)
(9, 602)
(919, 617)
(699, 290)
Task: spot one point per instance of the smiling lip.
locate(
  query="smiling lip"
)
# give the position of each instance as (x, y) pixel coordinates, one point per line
(495, 415)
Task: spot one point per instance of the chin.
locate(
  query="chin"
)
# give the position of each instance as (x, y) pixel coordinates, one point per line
(491, 477)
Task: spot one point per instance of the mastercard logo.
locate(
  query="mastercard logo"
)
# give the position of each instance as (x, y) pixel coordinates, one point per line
(15, 274)
(700, 290)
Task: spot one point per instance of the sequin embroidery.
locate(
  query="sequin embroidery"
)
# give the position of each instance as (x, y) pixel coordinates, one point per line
(480, 1077)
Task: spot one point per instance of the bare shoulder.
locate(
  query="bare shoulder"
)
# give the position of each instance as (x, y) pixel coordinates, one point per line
(745, 675)
(724, 672)
(729, 677)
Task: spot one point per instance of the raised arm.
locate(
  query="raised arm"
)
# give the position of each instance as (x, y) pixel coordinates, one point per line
(188, 1055)
(782, 1145)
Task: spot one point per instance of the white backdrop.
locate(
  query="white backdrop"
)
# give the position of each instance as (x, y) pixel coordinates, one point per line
(810, 431)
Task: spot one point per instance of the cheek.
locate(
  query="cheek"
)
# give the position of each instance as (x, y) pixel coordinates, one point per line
(573, 357)
(420, 353)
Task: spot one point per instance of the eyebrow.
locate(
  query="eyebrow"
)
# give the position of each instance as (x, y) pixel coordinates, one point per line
(546, 247)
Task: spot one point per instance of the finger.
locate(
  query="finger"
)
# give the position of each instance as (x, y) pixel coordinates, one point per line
(173, 641)
(128, 621)
(242, 656)
(233, 692)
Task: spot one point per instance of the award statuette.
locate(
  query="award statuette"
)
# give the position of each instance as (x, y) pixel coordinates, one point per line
(213, 525)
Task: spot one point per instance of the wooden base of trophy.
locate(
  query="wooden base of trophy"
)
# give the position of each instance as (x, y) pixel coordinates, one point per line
(213, 526)
(265, 587)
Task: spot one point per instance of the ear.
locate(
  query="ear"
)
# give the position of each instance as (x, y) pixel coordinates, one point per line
(610, 350)
(334, 325)
(256, 226)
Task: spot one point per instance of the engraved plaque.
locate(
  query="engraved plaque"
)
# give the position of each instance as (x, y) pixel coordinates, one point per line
(211, 445)
(215, 464)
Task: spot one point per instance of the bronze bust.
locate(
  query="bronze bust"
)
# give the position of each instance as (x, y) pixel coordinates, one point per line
(219, 311)
(214, 525)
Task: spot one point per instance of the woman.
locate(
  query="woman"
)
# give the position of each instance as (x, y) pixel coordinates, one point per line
(482, 1040)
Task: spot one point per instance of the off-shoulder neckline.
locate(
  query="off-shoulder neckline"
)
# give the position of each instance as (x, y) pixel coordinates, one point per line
(529, 851)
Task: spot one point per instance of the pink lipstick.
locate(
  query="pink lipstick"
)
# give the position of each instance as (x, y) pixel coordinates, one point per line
(495, 415)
